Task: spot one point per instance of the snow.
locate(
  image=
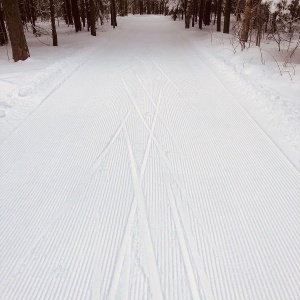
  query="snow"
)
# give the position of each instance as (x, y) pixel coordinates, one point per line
(269, 91)
(149, 162)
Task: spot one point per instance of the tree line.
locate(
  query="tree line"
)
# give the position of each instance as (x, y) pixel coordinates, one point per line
(243, 16)
(278, 19)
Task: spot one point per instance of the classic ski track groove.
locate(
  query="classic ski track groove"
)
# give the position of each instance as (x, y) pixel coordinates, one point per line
(151, 183)
(270, 294)
(142, 215)
(127, 234)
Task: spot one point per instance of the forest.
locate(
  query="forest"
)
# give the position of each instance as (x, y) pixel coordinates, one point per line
(149, 149)
(247, 20)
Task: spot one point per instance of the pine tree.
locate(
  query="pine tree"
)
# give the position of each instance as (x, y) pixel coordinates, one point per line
(15, 29)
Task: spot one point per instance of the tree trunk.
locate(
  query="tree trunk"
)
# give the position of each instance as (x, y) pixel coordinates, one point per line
(125, 8)
(32, 8)
(92, 7)
(207, 12)
(69, 12)
(188, 13)
(82, 11)
(113, 13)
(196, 10)
(88, 15)
(76, 16)
(201, 4)
(246, 23)
(141, 2)
(52, 14)
(259, 23)
(219, 15)
(22, 11)
(15, 29)
(228, 5)
(193, 15)
(121, 8)
(3, 33)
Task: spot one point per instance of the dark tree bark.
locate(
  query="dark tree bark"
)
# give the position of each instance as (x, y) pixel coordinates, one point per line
(64, 11)
(228, 5)
(194, 12)
(121, 8)
(188, 13)
(148, 7)
(3, 33)
(113, 13)
(100, 9)
(92, 7)
(82, 11)
(259, 23)
(141, 2)
(125, 8)
(219, 15)
(15, 29)
(32, 10)
(207, 11)
(22, 11)
(88, 15)
(52, 15)
(75, 12)
(69, 12)
(201, 5)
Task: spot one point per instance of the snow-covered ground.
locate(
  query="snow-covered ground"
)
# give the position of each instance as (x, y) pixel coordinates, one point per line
(149, 162)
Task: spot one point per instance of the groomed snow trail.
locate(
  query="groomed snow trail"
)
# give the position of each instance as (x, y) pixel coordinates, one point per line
(141, 177)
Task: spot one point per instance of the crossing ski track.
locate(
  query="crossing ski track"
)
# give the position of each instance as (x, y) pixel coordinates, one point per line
(141, 177)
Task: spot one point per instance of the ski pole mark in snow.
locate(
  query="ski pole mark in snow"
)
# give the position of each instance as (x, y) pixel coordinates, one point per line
(97, 162)
(161, 119)
(183, 245)
(186, 239)
(116, 217)
(156, 142)
(132, 214)
(154, 277)
(198, 260)
(122, 252)
(147, 152)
